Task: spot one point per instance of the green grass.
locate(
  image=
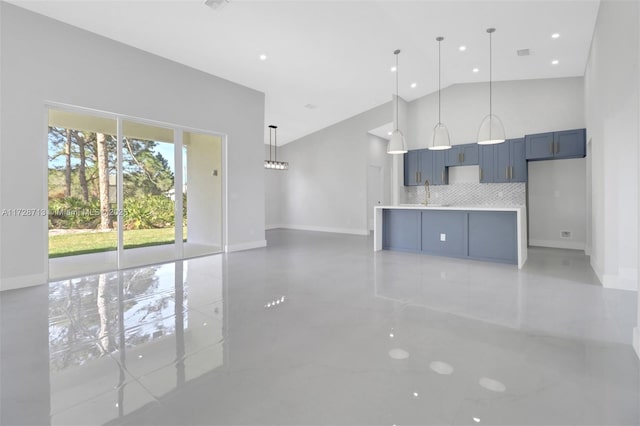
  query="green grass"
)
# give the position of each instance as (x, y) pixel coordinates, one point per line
(83, 243)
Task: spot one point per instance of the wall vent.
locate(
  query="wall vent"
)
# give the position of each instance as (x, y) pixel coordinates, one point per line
(523, 52)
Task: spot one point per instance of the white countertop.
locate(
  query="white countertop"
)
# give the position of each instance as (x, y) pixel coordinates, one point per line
(470, 208)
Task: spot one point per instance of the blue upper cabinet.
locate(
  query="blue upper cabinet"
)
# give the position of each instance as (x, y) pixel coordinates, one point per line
(439, 172)
(425, 160)
(486, 161)
(518, 161)
(570, 143)
(462, 155)
(424, 164)
(555, 145)
(504, 162)
(411, 176)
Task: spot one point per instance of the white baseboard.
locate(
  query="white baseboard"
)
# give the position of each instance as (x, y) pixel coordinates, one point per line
(571, 245)
(349, 231)
(636, 340)
(22, 281)
(268, 227)
(245, 246)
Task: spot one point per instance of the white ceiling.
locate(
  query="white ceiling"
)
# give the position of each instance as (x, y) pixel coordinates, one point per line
(337, 55)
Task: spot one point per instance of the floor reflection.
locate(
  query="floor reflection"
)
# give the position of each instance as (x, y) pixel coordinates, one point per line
(119, 340)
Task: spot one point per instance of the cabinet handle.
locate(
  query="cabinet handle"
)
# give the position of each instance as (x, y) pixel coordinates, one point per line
(511, 173)
(443, 177)
(459, 158)
(480, 174)
(463, 157)
(551, 148)
(557, 150)
(417, 180)
(420, 178)
(506, 172)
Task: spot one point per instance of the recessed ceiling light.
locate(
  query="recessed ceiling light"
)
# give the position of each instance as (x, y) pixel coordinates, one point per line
(476, 70)
(413, 85)
(555, 62)
(389, 133)
(462, 48)
(263, 57)
(555, 35)
(393, 69)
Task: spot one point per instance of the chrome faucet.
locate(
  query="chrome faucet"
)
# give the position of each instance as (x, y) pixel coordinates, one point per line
(427, 194)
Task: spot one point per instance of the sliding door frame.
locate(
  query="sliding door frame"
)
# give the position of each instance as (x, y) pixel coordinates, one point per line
(178, 132)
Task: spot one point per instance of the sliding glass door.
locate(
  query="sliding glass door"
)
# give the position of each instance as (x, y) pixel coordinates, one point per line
(127, 191)
(149, 193)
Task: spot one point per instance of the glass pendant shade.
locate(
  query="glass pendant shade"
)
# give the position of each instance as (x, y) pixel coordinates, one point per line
(491, 131)
(397, 144)
(440, 139)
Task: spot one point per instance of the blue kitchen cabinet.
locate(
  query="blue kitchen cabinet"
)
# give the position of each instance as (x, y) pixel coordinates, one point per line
(411, 177)
(518, 160)
(401, 230)
(570, 144)
(482, 235)
(425, 164)
(462, 155)
(503, 162)
(556, 145)
(444, 233)
(486, 161)
(439, 173)
(493, 236)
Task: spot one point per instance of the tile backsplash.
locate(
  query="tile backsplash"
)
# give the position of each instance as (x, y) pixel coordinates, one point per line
(469, 194)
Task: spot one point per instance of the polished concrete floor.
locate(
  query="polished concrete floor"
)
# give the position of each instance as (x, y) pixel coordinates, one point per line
(318, 329)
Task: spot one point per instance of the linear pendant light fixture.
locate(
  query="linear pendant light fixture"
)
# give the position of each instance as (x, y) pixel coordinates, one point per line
(274, 164)
(491, 129)
(440, 139)
(397, 144)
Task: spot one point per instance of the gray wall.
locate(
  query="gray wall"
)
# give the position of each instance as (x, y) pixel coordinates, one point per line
(273, 198)
(44, 60)
(325, 188)
(611, 93)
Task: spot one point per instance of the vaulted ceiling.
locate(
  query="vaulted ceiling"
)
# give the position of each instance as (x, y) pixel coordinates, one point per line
(329, 60)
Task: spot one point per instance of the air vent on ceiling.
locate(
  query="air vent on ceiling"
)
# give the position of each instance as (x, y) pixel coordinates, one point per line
(523, 52)
(215, 4)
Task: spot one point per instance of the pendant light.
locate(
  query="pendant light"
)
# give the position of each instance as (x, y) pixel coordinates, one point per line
(491, 129)
(274, 164)
(397, 144)
(440, 139)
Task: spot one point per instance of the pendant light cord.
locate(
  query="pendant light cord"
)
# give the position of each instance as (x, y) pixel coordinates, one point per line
(490, 74)
(439, 85)
(397, 91)
(270, 132)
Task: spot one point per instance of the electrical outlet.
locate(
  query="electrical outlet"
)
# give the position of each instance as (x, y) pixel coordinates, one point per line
(565, 234)
(443, 237)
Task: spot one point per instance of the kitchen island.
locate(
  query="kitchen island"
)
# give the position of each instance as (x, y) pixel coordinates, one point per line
(496, 234)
